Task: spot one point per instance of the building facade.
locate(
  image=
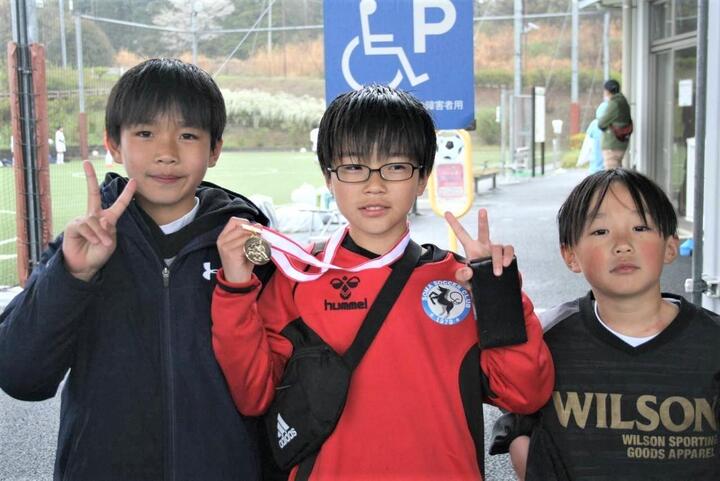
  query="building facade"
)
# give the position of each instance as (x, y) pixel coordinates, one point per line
(660, 44)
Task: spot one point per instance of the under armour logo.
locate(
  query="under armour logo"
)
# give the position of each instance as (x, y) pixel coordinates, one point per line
(209, 271)
(345, 285)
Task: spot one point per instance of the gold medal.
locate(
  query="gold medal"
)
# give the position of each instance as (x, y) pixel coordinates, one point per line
(257, 250)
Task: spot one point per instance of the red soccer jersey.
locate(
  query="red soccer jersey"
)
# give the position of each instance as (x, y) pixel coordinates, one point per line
(404, 417)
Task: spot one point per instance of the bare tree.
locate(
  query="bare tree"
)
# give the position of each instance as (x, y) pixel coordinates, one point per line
(192, 15)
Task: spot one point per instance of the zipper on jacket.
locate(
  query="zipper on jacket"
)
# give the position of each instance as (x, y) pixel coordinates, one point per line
(166, 277)
(169, 379)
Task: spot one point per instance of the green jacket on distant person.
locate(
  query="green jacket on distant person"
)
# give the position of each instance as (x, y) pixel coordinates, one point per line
(617, 114)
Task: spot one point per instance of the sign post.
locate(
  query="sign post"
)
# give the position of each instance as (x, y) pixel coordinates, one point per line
(451, 182)
(426, 48)
(538, 128)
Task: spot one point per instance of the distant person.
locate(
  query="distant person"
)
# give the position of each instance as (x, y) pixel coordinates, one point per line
(108, 155)
(5, 161)
(60, 147)
(637, 370)
(596, 162)
(314, 139)
(12, 151)
(616, 124)
(119, 307)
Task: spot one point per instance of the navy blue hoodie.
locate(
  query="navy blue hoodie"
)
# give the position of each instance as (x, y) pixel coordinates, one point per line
(144, 398)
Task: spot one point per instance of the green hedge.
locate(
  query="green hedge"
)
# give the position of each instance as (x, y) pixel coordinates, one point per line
(561, 77)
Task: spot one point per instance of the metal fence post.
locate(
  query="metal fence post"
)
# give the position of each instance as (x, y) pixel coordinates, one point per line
(29, 217)
(82, 117)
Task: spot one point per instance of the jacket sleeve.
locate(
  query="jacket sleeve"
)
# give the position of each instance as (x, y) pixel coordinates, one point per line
(38, 329)
(247, 341)
(609, 116)
(520, 377)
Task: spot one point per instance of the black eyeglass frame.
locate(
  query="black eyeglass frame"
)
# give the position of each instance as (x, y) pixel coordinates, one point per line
(378, 170)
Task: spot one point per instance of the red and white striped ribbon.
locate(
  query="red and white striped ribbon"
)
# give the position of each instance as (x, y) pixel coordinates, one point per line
(284, 249)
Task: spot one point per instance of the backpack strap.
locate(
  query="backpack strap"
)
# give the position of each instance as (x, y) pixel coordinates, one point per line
(315, 249)
(318, 247)
(401, 272)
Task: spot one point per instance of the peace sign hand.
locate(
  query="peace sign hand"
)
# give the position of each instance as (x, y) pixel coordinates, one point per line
(90, 240)
(502, 255)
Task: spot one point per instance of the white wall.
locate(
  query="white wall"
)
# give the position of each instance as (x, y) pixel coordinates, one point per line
(641, 91)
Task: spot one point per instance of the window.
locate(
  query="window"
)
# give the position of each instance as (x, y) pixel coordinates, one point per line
(685, 16)
(660, 21)
(672, 18)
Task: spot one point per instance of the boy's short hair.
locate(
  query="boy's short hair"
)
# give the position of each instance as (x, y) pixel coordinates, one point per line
(581, 206)
(612, 86)
(376, 120)
(166, 86)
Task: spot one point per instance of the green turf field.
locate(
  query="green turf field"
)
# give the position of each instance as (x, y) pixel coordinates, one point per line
(274, 174)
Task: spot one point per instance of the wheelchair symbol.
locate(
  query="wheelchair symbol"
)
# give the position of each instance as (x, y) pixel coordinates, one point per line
(370, 41)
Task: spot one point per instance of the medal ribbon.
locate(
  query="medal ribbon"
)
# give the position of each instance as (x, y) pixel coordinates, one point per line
(284, 249)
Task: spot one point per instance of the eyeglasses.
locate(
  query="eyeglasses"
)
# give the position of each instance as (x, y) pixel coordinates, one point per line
(393, 172)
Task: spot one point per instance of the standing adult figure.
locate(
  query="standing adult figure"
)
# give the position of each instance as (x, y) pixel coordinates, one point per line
(616, 124)
(60, 147)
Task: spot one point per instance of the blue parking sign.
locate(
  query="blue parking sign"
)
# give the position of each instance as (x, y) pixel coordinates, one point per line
(422, 46)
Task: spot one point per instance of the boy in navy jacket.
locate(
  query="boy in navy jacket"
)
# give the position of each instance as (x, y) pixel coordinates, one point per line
(120, 303)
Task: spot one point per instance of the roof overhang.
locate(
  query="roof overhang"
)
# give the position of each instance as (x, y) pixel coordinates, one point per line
(600, 3)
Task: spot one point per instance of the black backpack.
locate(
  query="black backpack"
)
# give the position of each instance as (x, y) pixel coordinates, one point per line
(310, 398)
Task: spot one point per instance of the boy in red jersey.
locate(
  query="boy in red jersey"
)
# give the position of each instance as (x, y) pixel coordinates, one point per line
(414, 401)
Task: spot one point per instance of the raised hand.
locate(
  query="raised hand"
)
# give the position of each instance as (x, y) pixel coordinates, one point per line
(230, 243)
(502, 255)
(90, 240)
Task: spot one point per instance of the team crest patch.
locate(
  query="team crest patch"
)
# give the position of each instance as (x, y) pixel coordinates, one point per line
(446, 302)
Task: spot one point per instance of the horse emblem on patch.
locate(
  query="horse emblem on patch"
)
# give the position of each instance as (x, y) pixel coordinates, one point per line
(446, 302)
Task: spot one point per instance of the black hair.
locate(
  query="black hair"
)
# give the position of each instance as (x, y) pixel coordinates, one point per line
(166, 86)
(583, 203)
(612, 86)
(376, 120)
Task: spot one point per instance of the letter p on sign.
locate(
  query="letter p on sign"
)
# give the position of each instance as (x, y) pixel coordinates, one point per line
(421, 28)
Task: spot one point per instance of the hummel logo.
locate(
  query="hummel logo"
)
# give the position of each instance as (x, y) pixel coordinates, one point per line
(284, 432)
(345, 285)
(209, 271)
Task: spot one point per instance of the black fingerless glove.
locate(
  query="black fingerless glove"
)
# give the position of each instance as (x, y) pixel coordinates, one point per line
(498, 304)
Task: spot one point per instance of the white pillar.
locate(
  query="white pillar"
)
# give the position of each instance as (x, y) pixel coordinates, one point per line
(269, 32)
(518, 29)
(194, 29)
(606, 45)
(711, 255)
(63, 48)
(79, 60)
(574, 47)
(640, 146)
